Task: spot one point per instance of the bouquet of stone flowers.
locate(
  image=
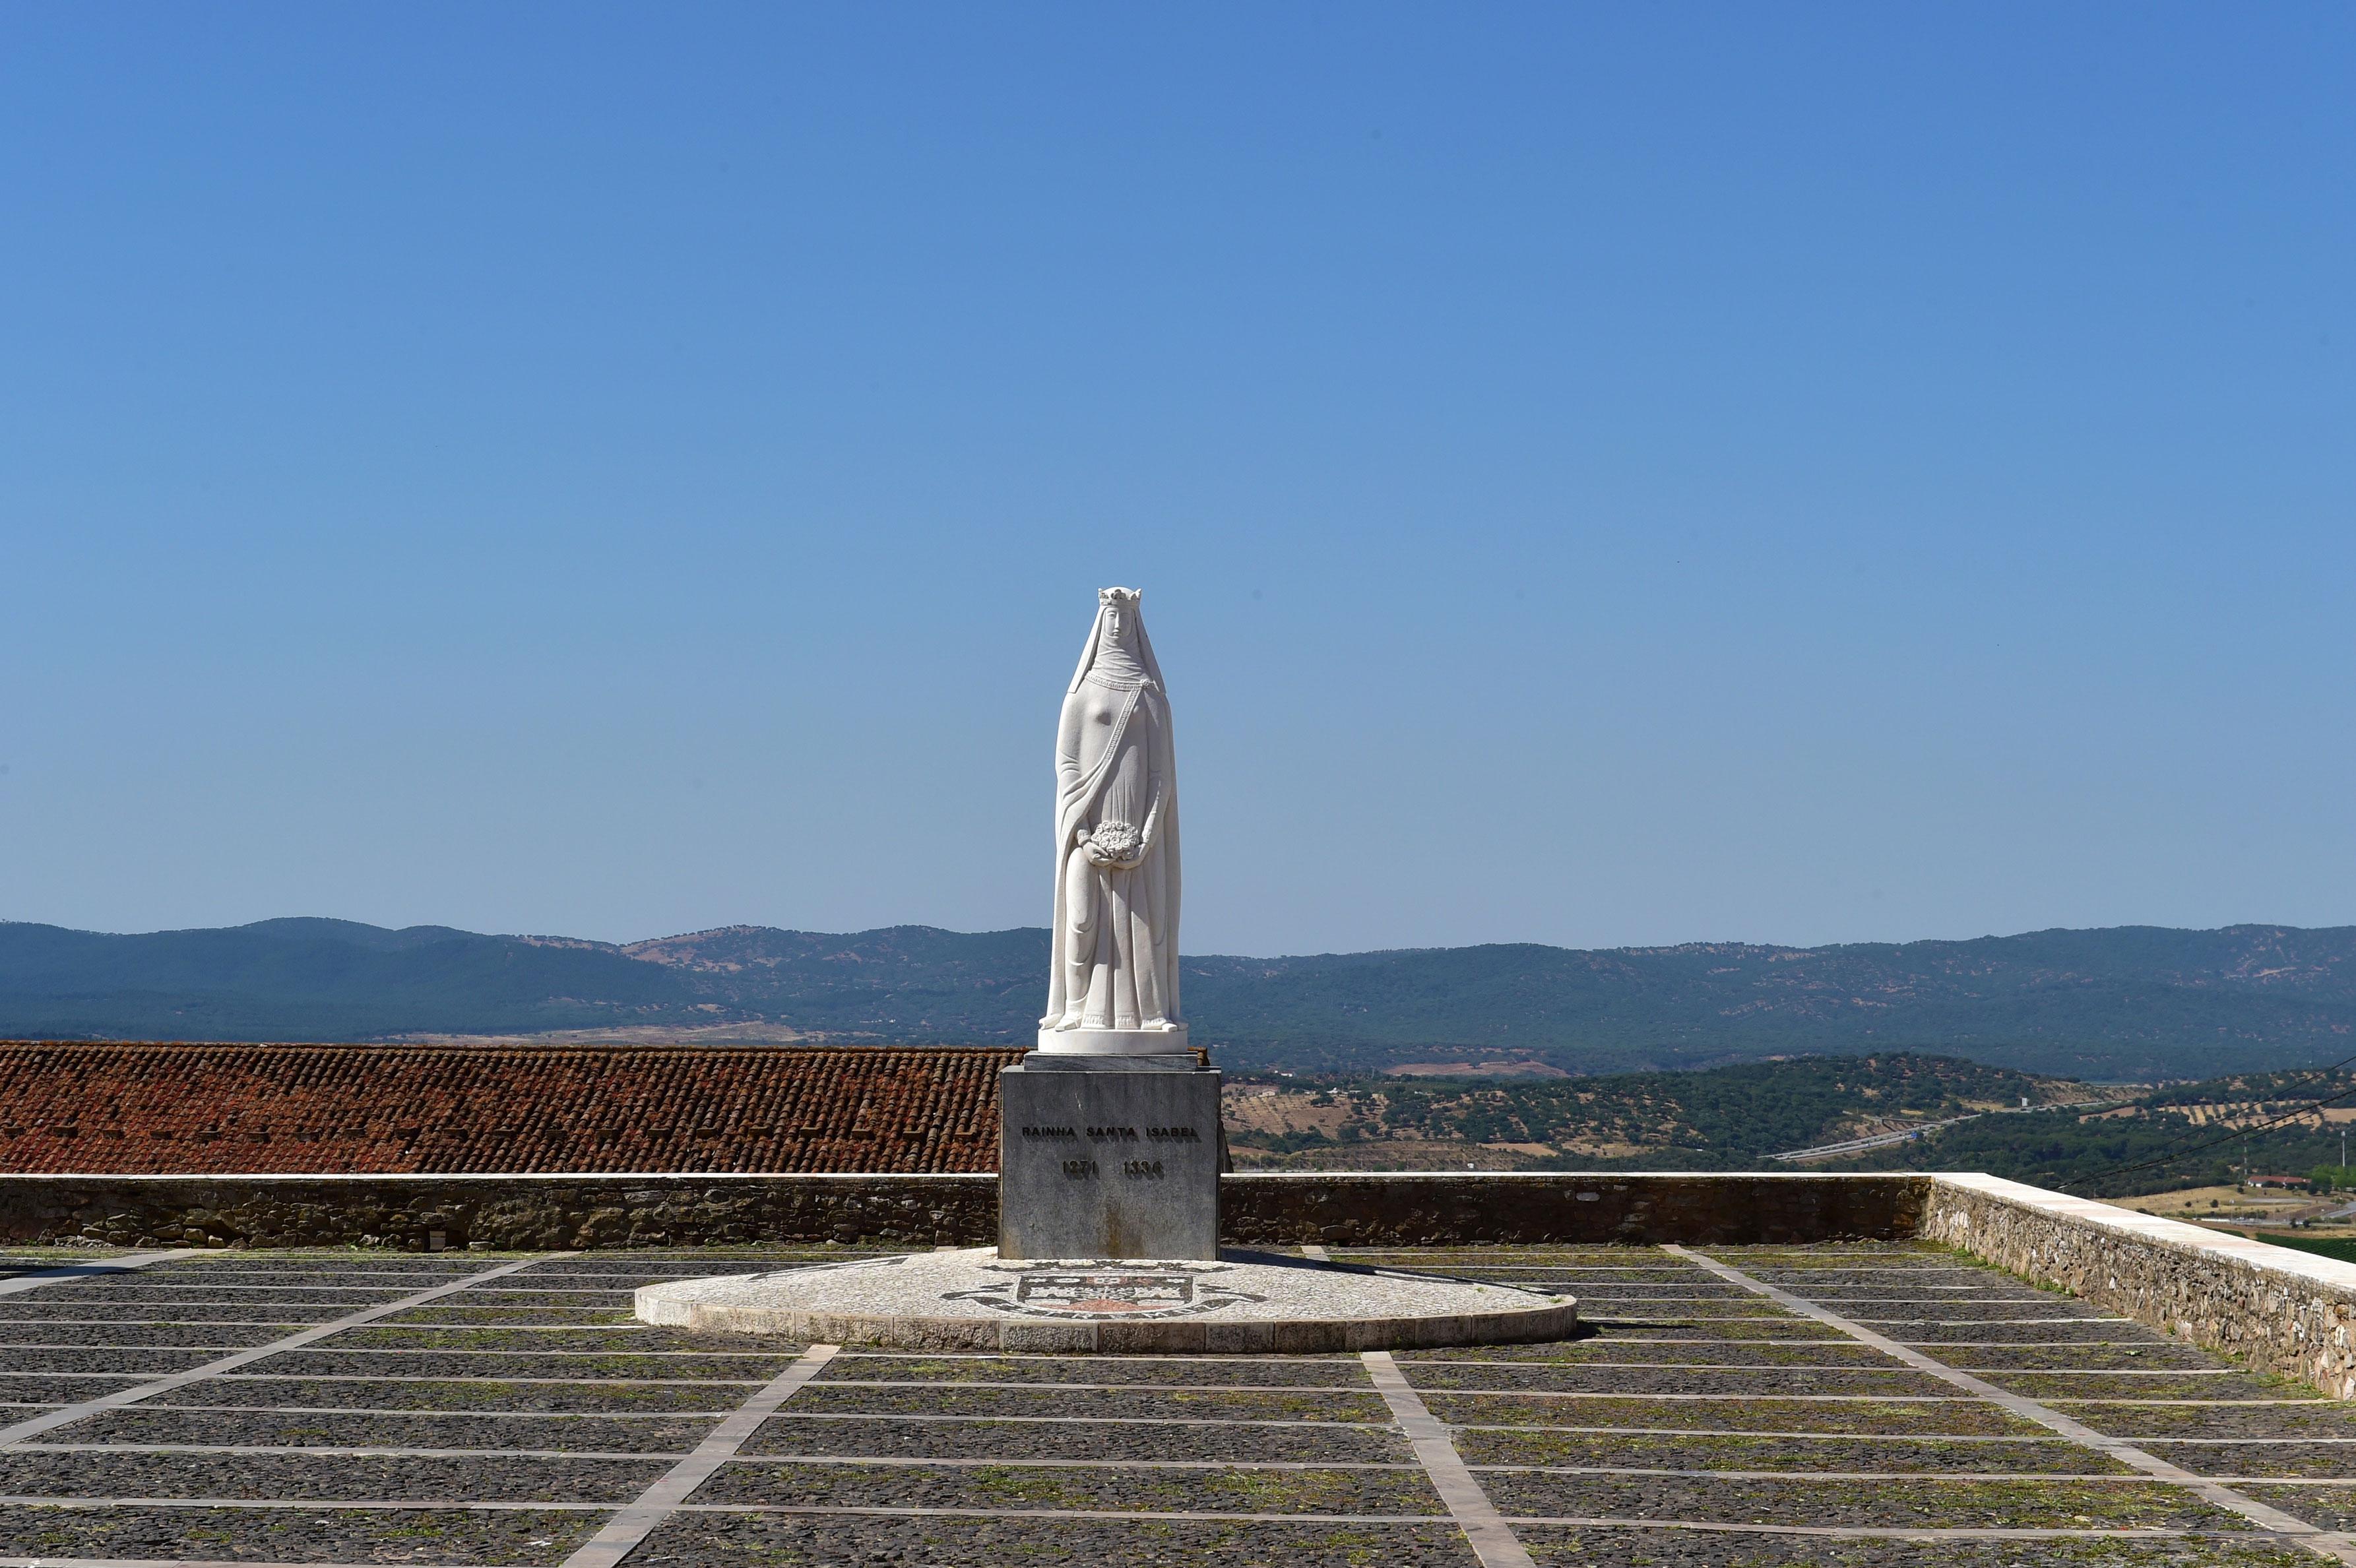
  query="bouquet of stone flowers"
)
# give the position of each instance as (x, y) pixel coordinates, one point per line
(1112, 843)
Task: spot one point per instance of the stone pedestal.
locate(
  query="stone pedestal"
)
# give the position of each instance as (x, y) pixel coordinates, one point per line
(1108, 1157)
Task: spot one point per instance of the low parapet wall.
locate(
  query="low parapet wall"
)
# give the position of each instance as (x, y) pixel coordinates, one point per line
(422, 1213)
(1447, 1208)
(2273, 1307)
(670, 1209)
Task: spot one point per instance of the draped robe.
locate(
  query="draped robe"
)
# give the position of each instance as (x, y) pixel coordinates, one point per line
(1116, 929)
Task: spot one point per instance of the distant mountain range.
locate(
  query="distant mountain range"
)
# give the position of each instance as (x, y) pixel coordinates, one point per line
(2136, 1002)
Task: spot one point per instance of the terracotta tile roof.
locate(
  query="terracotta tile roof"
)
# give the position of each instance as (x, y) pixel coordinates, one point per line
(68, 1106)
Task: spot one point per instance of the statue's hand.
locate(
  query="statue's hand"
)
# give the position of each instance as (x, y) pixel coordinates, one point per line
(1117, 847)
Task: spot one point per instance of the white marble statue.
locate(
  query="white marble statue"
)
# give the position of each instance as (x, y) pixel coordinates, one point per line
(1113, 984)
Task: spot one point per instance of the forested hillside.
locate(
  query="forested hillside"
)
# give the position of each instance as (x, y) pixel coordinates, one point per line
(1723, 1118)
(2126, 1003)
(2268, 1123)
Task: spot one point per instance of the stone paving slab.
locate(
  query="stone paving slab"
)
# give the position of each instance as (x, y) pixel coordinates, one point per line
(327, 1361)
(2290, 1458)
(104, 1360)
(513, 1478)
(1109, 1442)
(1716, 1451)
(1127, 1403)
(601, 1433)
(430, 1396)
(2141, 1353)
(2040, 1503)
(2055, 1387)
(1621, 1380)
(1926, 1418)
(825, 1541)
(27, 1389)
(542, 1539)
(48, 1308)
(1144, 1371)
(2332, 1419)
(1619, 1348)
(1559, 1547)
(23, 1338)
(1116, 1490)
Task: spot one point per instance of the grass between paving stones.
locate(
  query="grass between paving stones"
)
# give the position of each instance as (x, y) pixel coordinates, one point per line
(1882, 1314)
(1962, 1418)
(1284, 1371)
(59, 1390)
(1877, 1273)
(1730, 1317)
(315, 1429)
(1985, 1359)
(791, 1541)
(279, 1535)
(428, 1398)
(268, 1263)
(1750, 1331)
(1641, 1259)
(1834, 1254)
(447, 1313)
(1929, 1455)
(270, 1477)
(552, 1364)
(1931, 1339)
(616, 1339)
(1617, 1350)
(264, 1299)
(42, 1309)
(1665, 1380)
(1221, 1405)
(645, 1268)
(1329, 1442)
(2041, 1504)
(2049, 1387)
(105, 1358)
(2334, 1507)
(1698, 1298)
(1566, 1545)
(1017, 1485)
(237, 1336)
(2292, 1459)
(507, 1292)
(1588, 1276)
(2332, 1420)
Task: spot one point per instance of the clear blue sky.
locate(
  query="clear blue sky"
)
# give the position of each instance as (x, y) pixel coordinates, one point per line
(1600, 474)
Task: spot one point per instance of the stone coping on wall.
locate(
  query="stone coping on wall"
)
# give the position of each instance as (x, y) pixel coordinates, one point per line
(2276, 1308)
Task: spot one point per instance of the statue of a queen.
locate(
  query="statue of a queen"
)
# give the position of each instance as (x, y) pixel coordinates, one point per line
(1113, 986)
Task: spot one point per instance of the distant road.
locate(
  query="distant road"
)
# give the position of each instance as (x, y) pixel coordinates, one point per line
(1879, 1140)
(1908, 1135)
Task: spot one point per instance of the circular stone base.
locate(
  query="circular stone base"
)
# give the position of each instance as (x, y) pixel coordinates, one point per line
(969, 1300)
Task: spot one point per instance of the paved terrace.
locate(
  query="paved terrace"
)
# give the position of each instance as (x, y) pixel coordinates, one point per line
(1879, 1404)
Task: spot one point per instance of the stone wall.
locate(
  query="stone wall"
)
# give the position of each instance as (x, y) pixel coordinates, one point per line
(422, 1213)
(2285, 1311)
(670, 1209)
(1377, 1209)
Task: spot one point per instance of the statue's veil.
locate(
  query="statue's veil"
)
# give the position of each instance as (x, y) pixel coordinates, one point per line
(1096, 640)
